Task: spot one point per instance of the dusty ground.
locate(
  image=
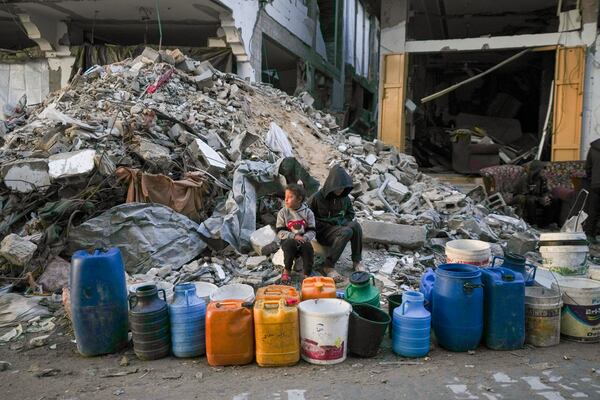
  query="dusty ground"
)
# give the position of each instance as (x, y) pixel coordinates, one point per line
(563, 372)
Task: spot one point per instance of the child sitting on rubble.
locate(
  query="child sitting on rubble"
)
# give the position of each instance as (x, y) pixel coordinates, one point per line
(296, 228)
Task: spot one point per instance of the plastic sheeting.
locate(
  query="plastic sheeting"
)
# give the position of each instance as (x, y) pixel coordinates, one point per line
(15, 308)
(278, 141)
(148, 235)
(235, 220)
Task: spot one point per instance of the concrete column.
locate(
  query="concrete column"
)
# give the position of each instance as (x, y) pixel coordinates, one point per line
(591, 98)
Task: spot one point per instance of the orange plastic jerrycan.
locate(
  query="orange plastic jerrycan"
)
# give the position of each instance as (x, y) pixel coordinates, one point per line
(229, 333)
(277, 333)
(276, 292)
(318, 287)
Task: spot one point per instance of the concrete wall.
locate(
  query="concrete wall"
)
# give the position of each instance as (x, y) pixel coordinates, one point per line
(31, 78)
(591, 98)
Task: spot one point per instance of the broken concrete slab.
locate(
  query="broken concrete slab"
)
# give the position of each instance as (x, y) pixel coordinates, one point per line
(408, 236)
(151, 54)
(200, 149)
(278, 258)
(371, 159)
(28, 175)
(153, 153)
(240, 143)
(72, 164)
(176, 131)
(17, 250)
(397, 190)
(264, 241)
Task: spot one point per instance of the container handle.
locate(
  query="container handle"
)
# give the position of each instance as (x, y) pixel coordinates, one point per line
(271, 303)
(131, 297)
(187, 300)
(468, 287)
(164, 294)
(403, 307)
(372, 278)
(493, 264)
(532, 277)
(350, 289)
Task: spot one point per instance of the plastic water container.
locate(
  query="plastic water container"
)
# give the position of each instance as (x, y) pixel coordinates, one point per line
(518, 264)
(318, 287)
(467, 251)
(457, 307)
(149, 320)
(234, 291)
(542, 316)
(187, 313)
(229, 333)
(276, 292)
(366, 329)
(565, 253)
(276, 332)
(504, 308)
(324, 330)
(99, 301)
(204, 290)
(412, 326)
(580, 317)
(426, 286)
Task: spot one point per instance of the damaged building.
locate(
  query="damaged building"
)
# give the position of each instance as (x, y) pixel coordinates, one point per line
(329, 49)
(469, 85)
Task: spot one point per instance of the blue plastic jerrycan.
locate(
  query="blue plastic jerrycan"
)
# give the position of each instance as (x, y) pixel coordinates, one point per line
(411, 326)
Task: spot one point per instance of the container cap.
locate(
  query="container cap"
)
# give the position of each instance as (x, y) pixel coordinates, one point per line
(360, 277)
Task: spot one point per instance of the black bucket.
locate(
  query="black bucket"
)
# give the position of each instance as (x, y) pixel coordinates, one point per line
(366, 329)
(394, 301)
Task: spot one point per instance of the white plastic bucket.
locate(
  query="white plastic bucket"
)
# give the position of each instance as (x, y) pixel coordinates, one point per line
(204, 290)
(324, 330)
(467, 251)
(234, 291)
(580, 319)
(565, 253)
(542, 316)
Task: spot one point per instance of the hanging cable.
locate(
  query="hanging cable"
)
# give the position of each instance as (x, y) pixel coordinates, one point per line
(160, 33)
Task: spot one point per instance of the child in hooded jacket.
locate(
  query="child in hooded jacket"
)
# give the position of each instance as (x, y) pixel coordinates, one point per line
(296, 228)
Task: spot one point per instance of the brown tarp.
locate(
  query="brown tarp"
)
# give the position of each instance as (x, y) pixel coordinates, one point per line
(189, 196)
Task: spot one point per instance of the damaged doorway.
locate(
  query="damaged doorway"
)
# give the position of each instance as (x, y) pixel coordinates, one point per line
(279, 66)
(503, 112)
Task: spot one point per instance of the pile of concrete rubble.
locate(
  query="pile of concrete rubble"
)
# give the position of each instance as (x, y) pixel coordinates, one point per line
(181, 167)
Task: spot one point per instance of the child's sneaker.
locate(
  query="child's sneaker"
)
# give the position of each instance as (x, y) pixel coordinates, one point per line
(285, 278)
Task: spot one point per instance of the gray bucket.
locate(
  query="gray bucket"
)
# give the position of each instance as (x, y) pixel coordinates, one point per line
(542, 316)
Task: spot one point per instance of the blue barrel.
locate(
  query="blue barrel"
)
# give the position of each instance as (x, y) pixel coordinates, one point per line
(426, 286)
(99, 301)
(187, 314)
(457, 309)
(411, 326)
(504, 308)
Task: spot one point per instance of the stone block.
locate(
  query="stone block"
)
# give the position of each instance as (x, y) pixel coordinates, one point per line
(17, 250)
(72, 164)
(151, 54)
(407, 236)
(264, 241)
(56, 275)
(153, 153)
(397, 190)
(25, 176)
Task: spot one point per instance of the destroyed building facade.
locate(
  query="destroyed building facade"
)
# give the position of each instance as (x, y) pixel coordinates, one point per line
(330, 49)
(543, 62)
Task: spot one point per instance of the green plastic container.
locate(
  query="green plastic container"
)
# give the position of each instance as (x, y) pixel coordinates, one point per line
(362, 290)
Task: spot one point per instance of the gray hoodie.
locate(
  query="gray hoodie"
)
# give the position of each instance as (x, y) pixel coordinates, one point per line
(296, 222)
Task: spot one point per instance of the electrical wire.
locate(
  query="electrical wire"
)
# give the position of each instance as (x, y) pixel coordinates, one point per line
(160, 32)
